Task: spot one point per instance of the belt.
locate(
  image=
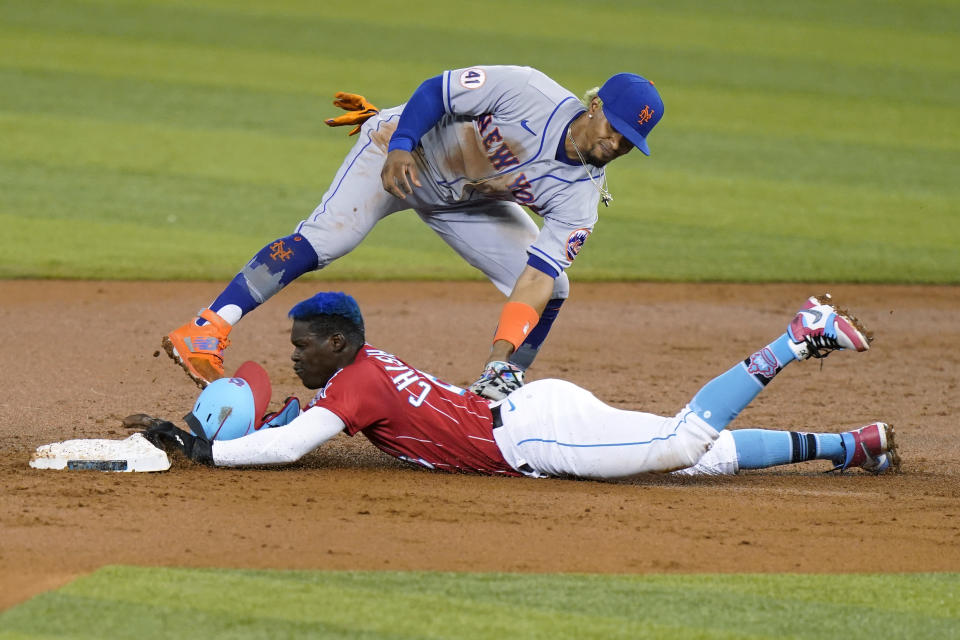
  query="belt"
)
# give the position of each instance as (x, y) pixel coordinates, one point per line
(523, 467)
(497, 420)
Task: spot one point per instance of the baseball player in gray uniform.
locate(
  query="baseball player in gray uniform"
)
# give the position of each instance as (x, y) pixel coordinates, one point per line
(467, 152)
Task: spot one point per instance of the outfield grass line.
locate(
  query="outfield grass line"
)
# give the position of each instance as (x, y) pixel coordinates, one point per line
(214, 603)
(401, 249)
(778, 117)
(153, 102)
(783, 115)
(173, 255)
(874, 44)
(926, 16)
(197, 64)
(262, 32)
(766, 204)
(256, 157)
(276, 158)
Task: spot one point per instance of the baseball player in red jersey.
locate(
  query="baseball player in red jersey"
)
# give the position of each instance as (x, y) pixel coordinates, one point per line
(546, 428)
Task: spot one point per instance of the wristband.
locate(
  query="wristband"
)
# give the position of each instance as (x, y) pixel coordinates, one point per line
(516, 320)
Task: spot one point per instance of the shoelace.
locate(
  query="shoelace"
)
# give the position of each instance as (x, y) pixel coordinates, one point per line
(819, 343)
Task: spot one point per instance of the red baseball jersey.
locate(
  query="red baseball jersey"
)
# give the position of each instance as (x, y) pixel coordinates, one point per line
(413, 416)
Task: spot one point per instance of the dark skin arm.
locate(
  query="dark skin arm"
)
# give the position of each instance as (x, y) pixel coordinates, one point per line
(534, 288)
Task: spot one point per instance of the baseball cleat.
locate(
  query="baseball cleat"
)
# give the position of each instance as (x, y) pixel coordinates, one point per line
(199, 349)
(820, 328)
(889, 461)
(872, 448)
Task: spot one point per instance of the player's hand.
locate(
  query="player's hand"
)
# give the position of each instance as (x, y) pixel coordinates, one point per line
(357, 108)
(139, 421)
(166, 436)
(499, 379)
(399, 171)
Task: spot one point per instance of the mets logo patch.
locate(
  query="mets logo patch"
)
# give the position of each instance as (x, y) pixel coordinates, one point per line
(575, 242)
(644, 116)
(473, 78)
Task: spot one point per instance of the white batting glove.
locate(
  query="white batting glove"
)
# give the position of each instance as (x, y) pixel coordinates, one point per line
(499, 379)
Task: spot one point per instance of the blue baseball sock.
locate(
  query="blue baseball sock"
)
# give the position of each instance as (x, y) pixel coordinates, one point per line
(271, 269)
(524, 355)
(724, 397)
(761, 448)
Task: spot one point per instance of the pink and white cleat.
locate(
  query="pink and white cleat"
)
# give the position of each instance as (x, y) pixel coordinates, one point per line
(820, 328)
(871, 448)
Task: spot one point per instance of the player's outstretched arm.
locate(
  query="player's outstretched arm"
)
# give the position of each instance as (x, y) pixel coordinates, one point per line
(276, 445)
(169, 437)
(519, 316)
(279, 445)
(521, 312)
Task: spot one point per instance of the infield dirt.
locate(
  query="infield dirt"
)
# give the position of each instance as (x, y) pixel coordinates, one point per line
(79, 356)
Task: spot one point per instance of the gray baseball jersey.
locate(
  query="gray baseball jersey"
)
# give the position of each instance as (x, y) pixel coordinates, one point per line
(493, 150)
(499, 139)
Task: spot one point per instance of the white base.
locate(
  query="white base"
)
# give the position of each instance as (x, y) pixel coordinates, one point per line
(132, 454)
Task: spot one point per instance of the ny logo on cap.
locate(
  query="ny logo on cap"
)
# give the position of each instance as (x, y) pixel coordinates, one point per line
(644, 116)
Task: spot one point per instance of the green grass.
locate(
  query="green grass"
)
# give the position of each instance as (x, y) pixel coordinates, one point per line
(172, 139)
(196, 603)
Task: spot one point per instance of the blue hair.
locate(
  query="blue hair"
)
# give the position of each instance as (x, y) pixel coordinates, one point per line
(329, 303)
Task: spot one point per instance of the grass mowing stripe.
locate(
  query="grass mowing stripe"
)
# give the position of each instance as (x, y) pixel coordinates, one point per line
(161, 102)
(516, 589)
(241, 604)
(926, 16)
(805, 36)
(398, 249)
(201, 64)
(789, 114)
(779, 116)
(689, 45)
(322, 72)
(285, 159)
(677, 239)
(793, 209)
(813, 162)
(234, 154)
(90, 194)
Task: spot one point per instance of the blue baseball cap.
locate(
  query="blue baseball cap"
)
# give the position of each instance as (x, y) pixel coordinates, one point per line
(633, 107)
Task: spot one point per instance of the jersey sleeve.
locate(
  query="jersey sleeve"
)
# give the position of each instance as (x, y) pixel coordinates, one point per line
(564, 232)
(348, 395)
(278, 445)
(420, 114)
(477, 91)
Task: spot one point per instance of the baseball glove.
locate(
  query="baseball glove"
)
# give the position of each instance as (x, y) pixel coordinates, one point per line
(165, 435)
(357, 108)
(140, 421)
(499, 379)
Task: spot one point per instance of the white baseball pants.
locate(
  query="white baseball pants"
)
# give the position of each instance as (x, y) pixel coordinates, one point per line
(555, 428)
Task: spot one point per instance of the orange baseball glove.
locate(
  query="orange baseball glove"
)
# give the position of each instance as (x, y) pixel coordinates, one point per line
(357, 108)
